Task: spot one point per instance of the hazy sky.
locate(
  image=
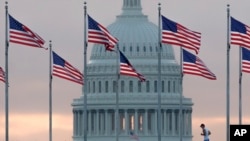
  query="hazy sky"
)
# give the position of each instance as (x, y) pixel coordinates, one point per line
(62, 22)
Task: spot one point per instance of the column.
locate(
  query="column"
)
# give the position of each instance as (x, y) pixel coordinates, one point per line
(77, 126)
(165, 122)
(106, 122)
(89, 123)
(185, 121)
(146, 122)
(177, 121)
(173, 122)
(80, 123)
(190, 122)
(162, 122)
(94, 122)
(155, 122)
(97, 123)
(168, 122)
(126, 122)
(101, 123)
(136, 121)
(74, 123)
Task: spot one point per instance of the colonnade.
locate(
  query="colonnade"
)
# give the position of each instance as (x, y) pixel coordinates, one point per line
(140, 121)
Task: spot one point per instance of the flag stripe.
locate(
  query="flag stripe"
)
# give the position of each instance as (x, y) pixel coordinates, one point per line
(100, 35)
(2, 75)
(63, 69)
(195, 66)
(240, 33)
(20, 34)
(127, 69)
(245, 61)
(176, 34)
(134, 136)
(22, 38)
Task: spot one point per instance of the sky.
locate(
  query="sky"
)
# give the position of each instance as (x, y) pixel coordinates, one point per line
(61, 21)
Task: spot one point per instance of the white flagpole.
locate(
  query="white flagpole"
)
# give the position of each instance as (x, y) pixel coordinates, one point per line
(240, 86)
(181, 95)
(84, 87)
(6, 75)
(228, 77)
(50, 92)
(117, 95)
(159, 75)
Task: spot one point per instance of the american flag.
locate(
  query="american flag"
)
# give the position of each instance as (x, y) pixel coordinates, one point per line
(176, 34)
(245, 61)
(127, 69)
(134, 136)
(21, 34)
(195, 66)
(2, 75)
(100, 35)
(65, 70)
(240, 33)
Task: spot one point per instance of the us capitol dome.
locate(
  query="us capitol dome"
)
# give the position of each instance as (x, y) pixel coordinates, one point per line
(138, 101)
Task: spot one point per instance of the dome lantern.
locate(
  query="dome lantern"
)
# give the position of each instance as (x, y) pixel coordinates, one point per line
(132, 7)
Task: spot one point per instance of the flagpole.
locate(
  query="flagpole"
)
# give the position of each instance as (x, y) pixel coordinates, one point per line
(228, 78)
(159, 75)
(117, 95)
(6, 75)
(84, 87)
(240, 86)
(50, 92)
(181, 94)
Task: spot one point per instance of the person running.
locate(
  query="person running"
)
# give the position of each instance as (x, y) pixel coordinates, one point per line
(205, 132)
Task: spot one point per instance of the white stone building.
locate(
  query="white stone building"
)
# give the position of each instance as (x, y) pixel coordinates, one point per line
(138, 102)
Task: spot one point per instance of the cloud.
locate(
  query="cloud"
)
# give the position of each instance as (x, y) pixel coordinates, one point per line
(35, 126)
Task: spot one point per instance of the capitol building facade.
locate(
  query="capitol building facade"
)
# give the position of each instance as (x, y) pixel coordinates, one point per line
(138, 101)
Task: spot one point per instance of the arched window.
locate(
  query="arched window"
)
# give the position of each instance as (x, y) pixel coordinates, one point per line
(147, 86)
(130, 86)
(174, 87)
(122, 121)
(131, 122)
(169, 85)
(139, 86)
(162, 86)
(106, 86)
(135, 3)
(101, 48)
(124, 49)
(150, 114)
(93, 86)
(122, 86)
(125, 3)
(112, 121)
(114, 86)
(89, 86)
(155, 86)
(131, 3)
(100, 86)
(140, 121)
